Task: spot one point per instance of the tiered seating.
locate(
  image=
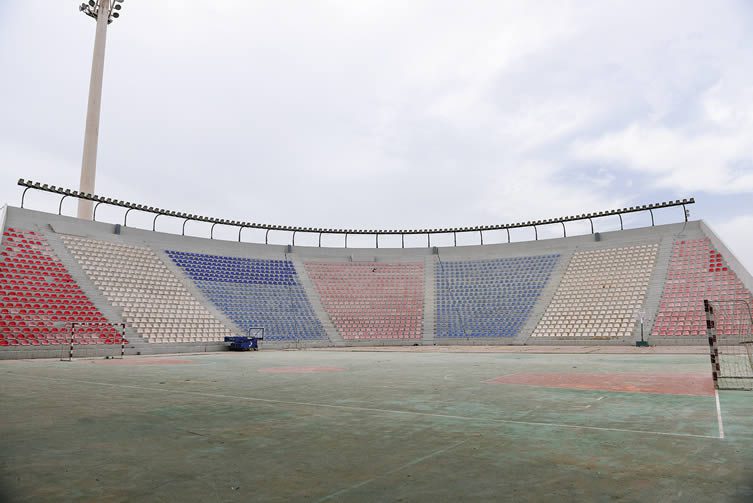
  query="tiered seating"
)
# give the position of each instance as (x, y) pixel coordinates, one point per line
(39, 301)
(368, 300)
(489, 298)
(600, 293)
(697, 272)
(255, 293)
(154, 301)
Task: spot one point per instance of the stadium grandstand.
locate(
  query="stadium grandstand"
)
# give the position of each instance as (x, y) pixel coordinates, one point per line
(182, 294)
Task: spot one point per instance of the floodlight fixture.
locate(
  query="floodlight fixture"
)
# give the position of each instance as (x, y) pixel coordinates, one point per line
(28, 184)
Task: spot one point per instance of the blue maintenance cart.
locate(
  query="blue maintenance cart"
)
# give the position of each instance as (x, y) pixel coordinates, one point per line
(246, 343)
(241, 343)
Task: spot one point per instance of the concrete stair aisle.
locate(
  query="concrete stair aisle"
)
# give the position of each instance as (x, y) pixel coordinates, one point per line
(335, 339)
(135, 342)
(654, 290)
(430, 301)
(545, 298)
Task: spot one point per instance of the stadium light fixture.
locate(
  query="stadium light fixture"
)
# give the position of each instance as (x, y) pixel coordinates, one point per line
(28, 184)
(104, 12)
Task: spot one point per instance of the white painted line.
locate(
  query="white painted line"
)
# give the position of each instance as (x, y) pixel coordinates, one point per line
(367, 409)
(491, 380)
(394, 470)
(584, 407)
(719, 414)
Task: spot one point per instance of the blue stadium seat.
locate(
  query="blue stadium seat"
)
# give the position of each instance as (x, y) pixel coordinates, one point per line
(254, 293)
(489, 298)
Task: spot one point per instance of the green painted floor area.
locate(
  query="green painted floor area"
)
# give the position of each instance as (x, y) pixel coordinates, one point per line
(397, 426)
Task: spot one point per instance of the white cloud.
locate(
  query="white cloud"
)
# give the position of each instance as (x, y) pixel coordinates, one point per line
(358, 114)
(533, 192)
(671, 159)
(710, 150)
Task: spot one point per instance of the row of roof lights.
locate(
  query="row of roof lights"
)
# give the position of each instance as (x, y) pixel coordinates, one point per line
(150, 209)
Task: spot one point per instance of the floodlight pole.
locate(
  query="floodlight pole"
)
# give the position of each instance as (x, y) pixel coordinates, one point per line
(89, 159)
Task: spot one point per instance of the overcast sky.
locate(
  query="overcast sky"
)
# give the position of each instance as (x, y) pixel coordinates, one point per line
(390, 114)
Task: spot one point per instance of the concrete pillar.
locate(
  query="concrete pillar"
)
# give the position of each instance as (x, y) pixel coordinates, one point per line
(89, 159)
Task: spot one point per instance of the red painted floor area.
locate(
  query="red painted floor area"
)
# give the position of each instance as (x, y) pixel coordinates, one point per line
(300, 370)
(698, 384)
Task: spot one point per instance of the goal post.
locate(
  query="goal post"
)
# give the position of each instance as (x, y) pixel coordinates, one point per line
(729, 327)
(80, 335)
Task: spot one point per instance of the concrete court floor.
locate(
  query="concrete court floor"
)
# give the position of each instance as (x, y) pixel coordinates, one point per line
(370, 426)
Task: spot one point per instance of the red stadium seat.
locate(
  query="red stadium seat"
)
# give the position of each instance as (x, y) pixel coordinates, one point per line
(38, 291)
(696, 272)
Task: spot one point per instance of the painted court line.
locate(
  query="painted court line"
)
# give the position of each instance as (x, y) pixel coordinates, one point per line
(367, 409)
(719, 414)
(394, 470)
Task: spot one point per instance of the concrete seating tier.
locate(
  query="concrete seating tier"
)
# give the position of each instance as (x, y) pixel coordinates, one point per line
(600, 293)
(154, 302)
(255, 293)
(697, 272)
(39, 300)
(371, 300)
(489, 298)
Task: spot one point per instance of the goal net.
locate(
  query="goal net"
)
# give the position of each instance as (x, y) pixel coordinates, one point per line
(94, 339)
(729, 326)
